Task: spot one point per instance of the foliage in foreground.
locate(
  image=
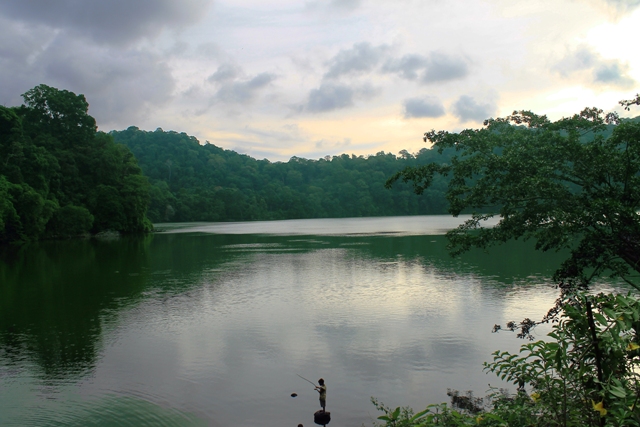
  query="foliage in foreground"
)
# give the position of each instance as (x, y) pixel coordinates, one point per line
(587, 373)
(570, 184)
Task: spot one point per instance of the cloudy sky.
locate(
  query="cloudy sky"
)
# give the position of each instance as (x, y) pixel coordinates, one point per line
(281, 78)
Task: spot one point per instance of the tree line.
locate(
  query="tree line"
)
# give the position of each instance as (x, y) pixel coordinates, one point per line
(195, 182)
(60, 177)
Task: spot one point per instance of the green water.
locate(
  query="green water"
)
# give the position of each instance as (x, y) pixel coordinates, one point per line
(191, 327)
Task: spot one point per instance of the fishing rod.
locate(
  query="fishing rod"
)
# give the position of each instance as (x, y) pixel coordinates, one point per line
(314, 384)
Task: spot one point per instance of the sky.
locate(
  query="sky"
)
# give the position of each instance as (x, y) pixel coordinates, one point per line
(280, 78)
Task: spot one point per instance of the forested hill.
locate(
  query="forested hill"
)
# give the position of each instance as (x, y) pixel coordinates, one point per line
(194, 182)
(59, 177)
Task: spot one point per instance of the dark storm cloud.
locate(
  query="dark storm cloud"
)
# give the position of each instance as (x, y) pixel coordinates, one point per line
(603, 71)
(361, 58)
(330, 96)
(243, 91)
(112, 21)
(468, 109)
(119, 85)
(18, 42)
(423, 107)
(432, 68)
(19, 47)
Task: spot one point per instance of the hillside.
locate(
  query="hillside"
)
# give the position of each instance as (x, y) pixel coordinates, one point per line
(202, 182)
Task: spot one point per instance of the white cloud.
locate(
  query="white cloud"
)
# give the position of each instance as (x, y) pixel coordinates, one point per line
(333, 5)
(623, 6)
(600, 71)
(339, 69)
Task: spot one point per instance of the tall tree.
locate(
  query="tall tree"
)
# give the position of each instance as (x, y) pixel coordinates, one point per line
(573, 183)
(55, 169)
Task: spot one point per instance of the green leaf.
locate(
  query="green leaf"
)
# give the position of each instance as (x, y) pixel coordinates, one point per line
(558, 360)
(609, 312)
(618, 392)
(601, 319)
(396, 413)
(419, 415)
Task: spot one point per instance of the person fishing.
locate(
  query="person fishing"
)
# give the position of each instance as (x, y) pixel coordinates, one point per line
(322, 389)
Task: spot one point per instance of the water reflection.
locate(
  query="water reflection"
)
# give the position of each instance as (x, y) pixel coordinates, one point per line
(199, 327)
(56, 298)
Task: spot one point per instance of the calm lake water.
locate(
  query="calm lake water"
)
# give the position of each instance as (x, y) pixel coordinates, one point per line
(209, 324)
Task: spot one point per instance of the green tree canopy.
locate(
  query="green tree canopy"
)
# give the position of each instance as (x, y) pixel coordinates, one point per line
(573, 183)
(202, 182)
(56, 169)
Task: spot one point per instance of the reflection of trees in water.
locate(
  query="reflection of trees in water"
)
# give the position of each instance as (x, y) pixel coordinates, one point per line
(55, 295)
(508, 263)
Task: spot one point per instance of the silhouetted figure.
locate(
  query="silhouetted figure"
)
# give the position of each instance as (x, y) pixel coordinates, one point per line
(322, 417)
(322, 389)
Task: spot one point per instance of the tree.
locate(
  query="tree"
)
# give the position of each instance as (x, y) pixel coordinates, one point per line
(57, 174)
(570, 184)
(60, 113)
(70, 221)
(573, 183)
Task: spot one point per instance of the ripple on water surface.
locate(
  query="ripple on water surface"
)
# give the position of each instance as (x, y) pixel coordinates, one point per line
(120, 411)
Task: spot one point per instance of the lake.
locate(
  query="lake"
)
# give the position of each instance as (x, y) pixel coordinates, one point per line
(211, 324)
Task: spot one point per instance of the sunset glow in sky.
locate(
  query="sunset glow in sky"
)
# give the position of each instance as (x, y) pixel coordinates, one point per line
(281, 78)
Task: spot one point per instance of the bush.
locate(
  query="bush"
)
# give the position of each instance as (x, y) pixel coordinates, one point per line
(70, 221)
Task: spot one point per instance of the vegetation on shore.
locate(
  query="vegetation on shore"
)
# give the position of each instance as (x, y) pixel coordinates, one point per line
(195, 182)
(571, 184)
(586, 373)
(61, 178)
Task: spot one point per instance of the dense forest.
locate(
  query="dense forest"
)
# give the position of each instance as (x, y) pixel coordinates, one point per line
(59, 177)
(195, 182)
